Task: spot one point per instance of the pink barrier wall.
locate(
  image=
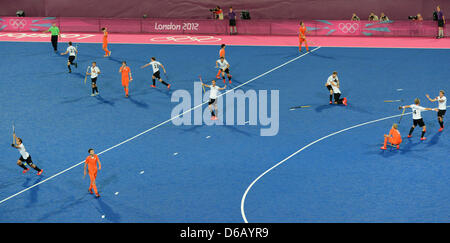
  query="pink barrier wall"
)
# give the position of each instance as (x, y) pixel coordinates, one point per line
(245, 27)
(259, 9)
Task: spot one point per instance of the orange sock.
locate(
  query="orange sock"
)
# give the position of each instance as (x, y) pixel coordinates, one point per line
(218, 73)
(385, 141)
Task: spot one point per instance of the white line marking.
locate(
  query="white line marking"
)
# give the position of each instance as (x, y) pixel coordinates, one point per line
(300, 150)
(160, 124)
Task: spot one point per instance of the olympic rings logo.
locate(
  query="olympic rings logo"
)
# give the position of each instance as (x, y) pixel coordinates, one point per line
(18, 23)
(184, 38)
(348, 27)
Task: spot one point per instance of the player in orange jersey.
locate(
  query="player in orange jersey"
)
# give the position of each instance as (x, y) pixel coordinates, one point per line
(91, 163)
(221, 54)
(126, 76)
(302, 37)
(105, 42)
(394, 137)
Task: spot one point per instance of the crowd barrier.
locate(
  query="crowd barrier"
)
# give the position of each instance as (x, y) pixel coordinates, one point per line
(401, 28)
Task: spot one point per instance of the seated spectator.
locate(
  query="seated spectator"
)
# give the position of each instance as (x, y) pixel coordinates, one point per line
(419, 17)
(373, 17)
(383, 17)
(355, 18)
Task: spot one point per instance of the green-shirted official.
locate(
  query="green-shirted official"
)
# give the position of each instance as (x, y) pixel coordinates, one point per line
(55, 34)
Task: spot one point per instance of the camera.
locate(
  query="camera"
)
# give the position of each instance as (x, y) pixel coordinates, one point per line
(213, 9)
(412, 17)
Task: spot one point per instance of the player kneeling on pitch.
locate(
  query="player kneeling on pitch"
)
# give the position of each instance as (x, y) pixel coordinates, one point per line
(337, 93)
(417, 117)
(394, 138)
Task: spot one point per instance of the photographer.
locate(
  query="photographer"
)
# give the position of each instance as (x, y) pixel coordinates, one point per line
(373, 17)
(217, 12)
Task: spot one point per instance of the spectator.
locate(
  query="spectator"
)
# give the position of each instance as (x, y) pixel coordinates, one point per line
(441, 22)
(383, 17)
(373, 17)
(219, 13)
(419, 17)
(232, 16)
(355, 18)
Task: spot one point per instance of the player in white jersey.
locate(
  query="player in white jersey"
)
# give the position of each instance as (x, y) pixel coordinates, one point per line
(213, 97)
(72, 54)
(156, 74)
(337, 93)
(25, 156)
(223, 65)
(417, 117)
(333, 77)
(442, 107)
(95, 71)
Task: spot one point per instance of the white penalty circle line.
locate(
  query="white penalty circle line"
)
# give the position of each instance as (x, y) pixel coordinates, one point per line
(162, 123)
(303, 148)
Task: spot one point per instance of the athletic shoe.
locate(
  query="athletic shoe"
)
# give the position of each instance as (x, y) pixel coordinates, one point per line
(345, 101)
(440, 129)
(25, 171)
(92, 94)
(109, 54)
(331, 102)
(213, 118)
(398, 146)
(409, 136)
(168, 86)
(126, 96)
(218, 77)
(70, 71)
(90, 191)
(153, 86)
(97, 195)
(229, 81)
(40, 172)
(97, 93)
(423, 138)
(383, 148)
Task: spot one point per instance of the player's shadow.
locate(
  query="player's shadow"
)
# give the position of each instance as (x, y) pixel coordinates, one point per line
(235, 129)
(407, 145)
(116, 60)
(74, 100)
(106, 210)
(138, 103)
(321, 108)
(33, 191)
(103, 101)
(192, 128)
(434, 140)
(72, 203)
(322, 56)
(165, 92)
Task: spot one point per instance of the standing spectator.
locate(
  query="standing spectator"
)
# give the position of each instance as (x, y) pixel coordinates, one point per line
(441, 22)
(232, 16)
(383, 17)
(355, 18)
(55, 34)
(373, 17)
